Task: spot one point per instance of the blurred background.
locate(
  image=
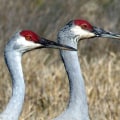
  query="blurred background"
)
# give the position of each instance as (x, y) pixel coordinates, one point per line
(47, 87)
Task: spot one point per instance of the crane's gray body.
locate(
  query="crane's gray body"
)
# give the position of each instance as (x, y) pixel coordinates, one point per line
(20, 43)
(70, 35)
(77, 108)
(26, 40)
(13, 61)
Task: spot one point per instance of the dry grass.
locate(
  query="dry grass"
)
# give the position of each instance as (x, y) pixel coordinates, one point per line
(47, 86)
(46, 81)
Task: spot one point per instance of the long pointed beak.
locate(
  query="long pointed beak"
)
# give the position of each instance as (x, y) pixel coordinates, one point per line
(51, 44)
(99, 32)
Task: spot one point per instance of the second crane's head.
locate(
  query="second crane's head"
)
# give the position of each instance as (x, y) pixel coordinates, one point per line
(27, 40)
(77, 30)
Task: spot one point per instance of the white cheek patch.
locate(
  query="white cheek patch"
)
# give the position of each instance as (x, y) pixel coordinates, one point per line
(27, 44)
(77, 30)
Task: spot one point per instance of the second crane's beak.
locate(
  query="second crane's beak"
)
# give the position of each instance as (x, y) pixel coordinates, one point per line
(99, 32)
(51, 44)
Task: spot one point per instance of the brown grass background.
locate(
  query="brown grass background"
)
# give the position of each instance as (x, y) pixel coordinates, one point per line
(46, 80)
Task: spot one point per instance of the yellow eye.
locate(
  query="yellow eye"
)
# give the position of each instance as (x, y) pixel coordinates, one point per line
(28, 37)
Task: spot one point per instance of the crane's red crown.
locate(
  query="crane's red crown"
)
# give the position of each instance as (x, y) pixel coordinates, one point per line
(83, 24)
(30, 35)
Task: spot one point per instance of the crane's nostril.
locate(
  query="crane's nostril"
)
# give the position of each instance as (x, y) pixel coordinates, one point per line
(99, 32)
(52, 44)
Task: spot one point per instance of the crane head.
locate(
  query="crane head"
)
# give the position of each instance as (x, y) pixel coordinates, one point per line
(88, 31)
(81, 29)
(27, 40)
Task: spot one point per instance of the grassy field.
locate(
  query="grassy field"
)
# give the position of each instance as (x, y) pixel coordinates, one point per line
(47, 88)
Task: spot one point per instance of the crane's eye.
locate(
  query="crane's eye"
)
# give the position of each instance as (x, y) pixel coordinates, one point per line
(85, 26)
(28, 37)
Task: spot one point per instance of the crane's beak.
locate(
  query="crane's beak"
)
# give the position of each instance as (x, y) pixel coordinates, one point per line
(51, 44)
(99, 32)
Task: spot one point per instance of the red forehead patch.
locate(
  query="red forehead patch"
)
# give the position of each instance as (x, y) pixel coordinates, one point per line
(30, 35)
(84, 24)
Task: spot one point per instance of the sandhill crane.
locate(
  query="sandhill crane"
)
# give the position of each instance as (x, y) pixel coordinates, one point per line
(20, 43)
(70, 34)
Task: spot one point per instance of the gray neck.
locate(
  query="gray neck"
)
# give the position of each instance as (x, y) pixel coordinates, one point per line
(77, 102)
(77, 106)
(14, 107)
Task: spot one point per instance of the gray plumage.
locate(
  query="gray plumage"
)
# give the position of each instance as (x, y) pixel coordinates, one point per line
(77, 108)
(70, 35)
(13, 61)
(20, 43)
